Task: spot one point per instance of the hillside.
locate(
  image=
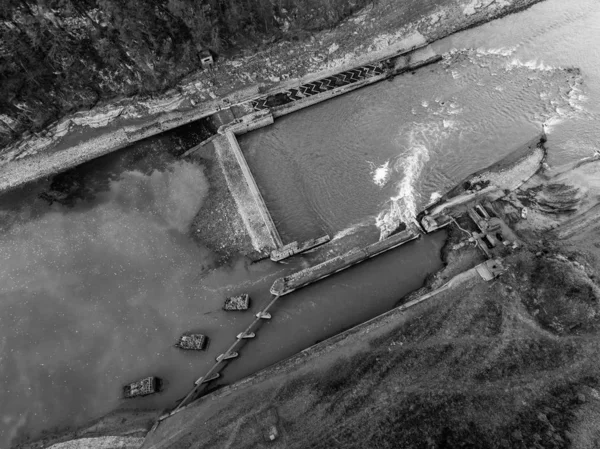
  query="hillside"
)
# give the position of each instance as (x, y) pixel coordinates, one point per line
(61, 56)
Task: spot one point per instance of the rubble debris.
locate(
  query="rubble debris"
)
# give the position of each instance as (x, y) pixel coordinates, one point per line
(143, 387)
(237, 303)
(192, 342)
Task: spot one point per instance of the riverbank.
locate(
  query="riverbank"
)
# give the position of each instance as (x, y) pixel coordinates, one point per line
(376, 33)
(501, 363)
(122, 429)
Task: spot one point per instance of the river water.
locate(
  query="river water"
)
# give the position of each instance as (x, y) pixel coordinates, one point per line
(94, 294)
(398, 145)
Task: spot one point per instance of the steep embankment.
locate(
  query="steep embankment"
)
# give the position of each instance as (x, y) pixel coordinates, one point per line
(60, 57)
(379, 30)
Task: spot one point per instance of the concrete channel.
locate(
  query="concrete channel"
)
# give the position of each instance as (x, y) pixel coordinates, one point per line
(260, 112)
(288, 284)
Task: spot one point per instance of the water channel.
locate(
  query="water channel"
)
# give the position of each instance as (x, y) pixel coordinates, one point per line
(94, 294)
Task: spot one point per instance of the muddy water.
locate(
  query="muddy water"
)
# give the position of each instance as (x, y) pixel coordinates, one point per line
(94, 294)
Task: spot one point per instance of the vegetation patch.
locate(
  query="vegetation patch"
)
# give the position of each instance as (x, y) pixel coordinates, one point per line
(560, 295)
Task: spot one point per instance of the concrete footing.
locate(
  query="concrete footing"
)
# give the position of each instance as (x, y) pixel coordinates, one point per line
(203, 380)
(227, 356)
(246, 335)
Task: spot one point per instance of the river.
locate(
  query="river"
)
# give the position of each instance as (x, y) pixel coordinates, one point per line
(94, 294)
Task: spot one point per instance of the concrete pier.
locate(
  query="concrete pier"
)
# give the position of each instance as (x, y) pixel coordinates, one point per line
(204, 380)
(228, 356)
(247, 335)
(291, 249)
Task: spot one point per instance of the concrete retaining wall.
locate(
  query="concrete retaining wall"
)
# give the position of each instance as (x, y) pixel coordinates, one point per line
(20, 172)
(249, 123)
(247, 196)
(280, 111)
(288, 284)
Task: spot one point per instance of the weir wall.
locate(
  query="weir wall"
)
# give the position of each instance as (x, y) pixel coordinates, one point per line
(250, 203)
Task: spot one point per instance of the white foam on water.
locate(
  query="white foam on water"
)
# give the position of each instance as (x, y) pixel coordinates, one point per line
(381, 174)
(576, 98)
(435, 196)
(532, 64)
(350, 230)
(566, 106)
(402, 207)
(558, 104)
(474, 55)
(501, 51)
(449, 124)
